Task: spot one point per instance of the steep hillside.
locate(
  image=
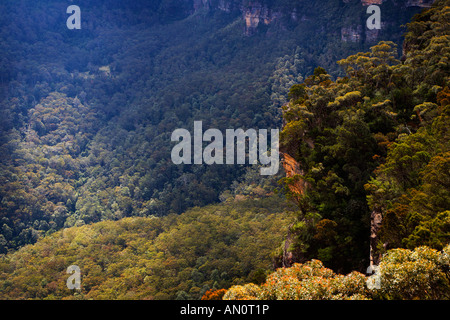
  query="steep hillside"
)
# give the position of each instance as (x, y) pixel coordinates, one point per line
(374, 144)
(173, 257)
(371, 150)
(86, 175)
(87, 114)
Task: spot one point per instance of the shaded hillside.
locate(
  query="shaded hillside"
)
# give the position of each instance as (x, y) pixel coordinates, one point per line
(87, 114)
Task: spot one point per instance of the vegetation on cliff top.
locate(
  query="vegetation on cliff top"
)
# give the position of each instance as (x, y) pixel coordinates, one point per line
(86, 115)
(374, 140)
(85, 143)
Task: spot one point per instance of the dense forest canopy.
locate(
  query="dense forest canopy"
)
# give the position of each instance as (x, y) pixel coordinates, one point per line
(86, 176)
(173, 257)
(87, 114)
(374, 144)
(371, 145)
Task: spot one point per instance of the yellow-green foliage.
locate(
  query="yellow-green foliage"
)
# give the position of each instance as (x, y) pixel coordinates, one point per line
(308, 281)
(376, 140)
(150, 258)
(422, 273)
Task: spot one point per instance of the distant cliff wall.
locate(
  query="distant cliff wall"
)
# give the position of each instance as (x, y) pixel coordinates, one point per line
(357, 33)
(263, 12)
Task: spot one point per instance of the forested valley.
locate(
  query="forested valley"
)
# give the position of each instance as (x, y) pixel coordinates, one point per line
(86, 176)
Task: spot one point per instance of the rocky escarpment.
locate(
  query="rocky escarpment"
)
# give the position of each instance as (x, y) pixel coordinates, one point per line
(358, 32)
(262, 12)
(257, 13)
(254, 13)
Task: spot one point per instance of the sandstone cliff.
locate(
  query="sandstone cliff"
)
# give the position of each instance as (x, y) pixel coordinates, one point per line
(263, 12)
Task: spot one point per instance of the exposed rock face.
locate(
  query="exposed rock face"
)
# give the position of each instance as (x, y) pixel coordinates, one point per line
(375, 225)
(290, 256)
(370, 2)
(292, 168)
(256, 13)
(360, 33)
(253, 13)
(351, 34)
(357, 34)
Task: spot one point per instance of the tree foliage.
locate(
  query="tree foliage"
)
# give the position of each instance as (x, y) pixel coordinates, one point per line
(86, 115)
(85, 170)
(172, 257)
(376, 139)
(422, 273)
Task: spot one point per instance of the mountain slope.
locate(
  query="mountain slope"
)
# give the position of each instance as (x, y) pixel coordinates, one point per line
(86, 143)
(373, 145)
(87, 114)
(177, 256)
